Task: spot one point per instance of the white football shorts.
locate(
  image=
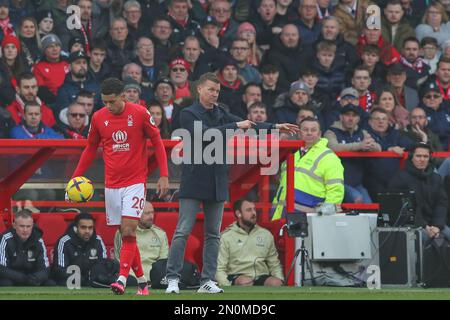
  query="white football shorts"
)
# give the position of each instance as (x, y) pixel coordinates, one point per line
(124, 202)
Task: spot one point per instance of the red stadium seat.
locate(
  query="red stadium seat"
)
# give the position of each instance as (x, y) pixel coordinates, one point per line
(53, 227)
(227, 219)
(106, 232)
(2, 225)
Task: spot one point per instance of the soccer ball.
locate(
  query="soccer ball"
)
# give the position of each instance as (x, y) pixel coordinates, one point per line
(80, 189)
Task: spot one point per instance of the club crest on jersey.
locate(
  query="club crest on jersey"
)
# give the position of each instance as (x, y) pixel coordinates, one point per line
(106, 123)
(152, 121)
(120, 138)
(130, 120)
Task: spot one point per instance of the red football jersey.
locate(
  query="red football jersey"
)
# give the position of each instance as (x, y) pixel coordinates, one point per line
(124, 141)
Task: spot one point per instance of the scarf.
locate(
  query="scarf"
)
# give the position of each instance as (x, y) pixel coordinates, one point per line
(445, 93)
(388, 54)
(183, 22)
(7, 27)
(21, 104)
(75, 134)
(40, 130)
(416, 65)
(87, 34)
(224, 28)
(235, 85)
(367, 100)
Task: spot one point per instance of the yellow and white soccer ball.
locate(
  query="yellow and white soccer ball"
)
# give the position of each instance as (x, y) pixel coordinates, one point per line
(80, 189)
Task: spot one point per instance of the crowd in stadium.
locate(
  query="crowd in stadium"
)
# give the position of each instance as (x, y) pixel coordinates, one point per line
(373, 81)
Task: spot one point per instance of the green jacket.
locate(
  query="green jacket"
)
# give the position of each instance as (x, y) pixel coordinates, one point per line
(250, 254)
(404, 30)
(152, 243)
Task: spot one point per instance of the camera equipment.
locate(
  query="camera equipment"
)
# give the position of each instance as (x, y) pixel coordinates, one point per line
(297, 225)
(397, 208)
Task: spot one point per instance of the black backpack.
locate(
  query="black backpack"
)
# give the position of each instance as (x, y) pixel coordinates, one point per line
(436, 263)
(190, 276)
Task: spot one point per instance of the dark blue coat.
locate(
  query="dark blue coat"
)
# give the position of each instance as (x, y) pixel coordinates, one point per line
(439, 122)
(208, 182)
(20, 132)
(68, 92)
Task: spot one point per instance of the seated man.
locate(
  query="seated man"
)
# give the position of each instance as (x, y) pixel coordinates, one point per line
(23, 256)
(151, 240)
(81, 246)
(430, 194)
(247, 254)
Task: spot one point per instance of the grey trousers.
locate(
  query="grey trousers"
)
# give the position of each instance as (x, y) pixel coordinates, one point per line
(186, 220)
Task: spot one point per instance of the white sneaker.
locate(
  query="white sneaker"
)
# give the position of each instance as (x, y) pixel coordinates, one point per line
(172, 286)
(209, 287)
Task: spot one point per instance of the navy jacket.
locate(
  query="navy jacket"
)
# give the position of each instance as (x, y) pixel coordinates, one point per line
(208, 182)
(439, 122)
(68, 92)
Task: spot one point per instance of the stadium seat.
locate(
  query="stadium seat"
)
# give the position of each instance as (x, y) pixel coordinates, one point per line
(2, 225)
(53, 227)
(106, 232)
(227, 219)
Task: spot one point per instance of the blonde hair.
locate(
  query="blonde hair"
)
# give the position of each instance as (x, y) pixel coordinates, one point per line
(440, 8)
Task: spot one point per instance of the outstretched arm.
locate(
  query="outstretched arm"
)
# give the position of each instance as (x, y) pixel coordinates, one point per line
(89, 153)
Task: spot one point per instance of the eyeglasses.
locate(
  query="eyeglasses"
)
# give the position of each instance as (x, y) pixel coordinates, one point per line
(178, 69)
(432, 96)
(78, 115)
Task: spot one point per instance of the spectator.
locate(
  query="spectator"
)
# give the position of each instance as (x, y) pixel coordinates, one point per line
(192, 53)
(257, 112)
(51, 71)
(6, 123)
(419, 132)
(45, 22)
(165, 94)
(352, 15)
(231, 86)
(319, 99)
(270, 87)
(97, 64)
(240, 51)
(76, 80)
(323, 9)
(179, 73)
(416, 68)
(318, 177)
(285, 53)
(221, 11)
(413, 13)
(285, 10)
(438, 113)
(81, 246)
(137, 27)
(251, 93)
(247, 252)
(395, 28)
(307, 23)
(361, 82)
(248, 32)
(151, 240)
(396, 77)
(381, 170)
(134, 71)
(429, 192)
(76, 44)
(88, 28)
(209, 39)
(370, 59)
(287, 107)
(27, 92)
(32, 126)
(152, 67)
(30, 40)
(86, 99)
(120, 48)
(265, 24)
(5, 20)
(430, 53)
(24, 260)
(397, 114)
(331, 76)
(162, 31)
(434, 23)
(346, 56)
(446, 49)
(347, 135)
(132, 91)
(442, 78)
(12, 64)
(159, 116)
(182, 24)
(372, 35)
(74, 121)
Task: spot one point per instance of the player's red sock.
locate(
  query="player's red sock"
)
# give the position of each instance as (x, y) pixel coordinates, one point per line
(137, 264)
(127, 254)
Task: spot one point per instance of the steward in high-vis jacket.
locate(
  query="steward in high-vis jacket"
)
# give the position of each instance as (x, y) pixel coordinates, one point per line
(318, 177)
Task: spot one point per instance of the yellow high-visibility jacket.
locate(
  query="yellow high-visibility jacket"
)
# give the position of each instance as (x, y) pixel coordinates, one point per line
(319, 178)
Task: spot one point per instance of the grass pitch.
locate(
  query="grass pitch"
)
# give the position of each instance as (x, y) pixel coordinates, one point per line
(231, 293)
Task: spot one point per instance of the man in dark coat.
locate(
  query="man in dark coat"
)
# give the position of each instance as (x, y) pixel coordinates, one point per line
(430, 196)
(23, 255)
(204, 181)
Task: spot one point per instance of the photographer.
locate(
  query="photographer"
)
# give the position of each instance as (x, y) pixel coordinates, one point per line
(431, 199)
(247, 254)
